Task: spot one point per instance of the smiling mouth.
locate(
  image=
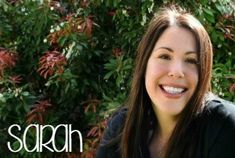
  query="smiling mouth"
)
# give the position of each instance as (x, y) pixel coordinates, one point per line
(173, 90)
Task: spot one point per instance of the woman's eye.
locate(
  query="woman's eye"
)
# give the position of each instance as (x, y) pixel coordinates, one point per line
(192, 61)
(164, 56)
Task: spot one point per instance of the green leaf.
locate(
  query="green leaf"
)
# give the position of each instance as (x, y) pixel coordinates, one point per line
(25, 93)
(62, 40)
(108, 75)
(208, 12)
(210, 18)
(209, 15)
(2, 98)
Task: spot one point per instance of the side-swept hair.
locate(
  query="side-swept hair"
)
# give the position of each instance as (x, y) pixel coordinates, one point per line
(140, 117)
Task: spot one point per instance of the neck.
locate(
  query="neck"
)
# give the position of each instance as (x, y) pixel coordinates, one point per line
(158, 145)
(166, 125)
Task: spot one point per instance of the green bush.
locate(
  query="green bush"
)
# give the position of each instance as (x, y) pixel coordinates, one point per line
(70, 62)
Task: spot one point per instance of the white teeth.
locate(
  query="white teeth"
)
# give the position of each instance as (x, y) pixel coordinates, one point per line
(173, 90)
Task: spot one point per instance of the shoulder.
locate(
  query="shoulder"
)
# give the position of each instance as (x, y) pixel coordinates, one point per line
(220, 128)
(221, 109)
(109, 144)
(220, 113)
(114, 125)
(117, 118)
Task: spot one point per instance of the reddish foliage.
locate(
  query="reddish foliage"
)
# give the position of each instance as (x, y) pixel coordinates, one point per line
(91, 104)
(50, 63)
(94, 136)
(112, 13)
(229, 36)
(228, 28)
(57, 6)
(13, 1)
(232, 88)
(87, 26)
(7, 60)
(68, 17)
(117, 52)
(229, 32)
(97, 130)
(15, 79)
(38, 112)
(90, 144)
(84, 3)
(88, 154)
(74, 25)
(228, 16)
(69, 155)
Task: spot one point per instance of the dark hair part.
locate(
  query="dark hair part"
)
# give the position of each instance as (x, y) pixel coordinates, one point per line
(140, 117)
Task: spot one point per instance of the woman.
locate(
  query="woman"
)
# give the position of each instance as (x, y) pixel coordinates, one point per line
(170, 111)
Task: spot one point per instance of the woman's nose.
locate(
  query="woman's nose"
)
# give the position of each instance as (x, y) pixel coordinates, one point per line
(176, 70)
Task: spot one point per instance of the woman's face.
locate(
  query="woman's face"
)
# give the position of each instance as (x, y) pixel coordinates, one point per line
(171, 75)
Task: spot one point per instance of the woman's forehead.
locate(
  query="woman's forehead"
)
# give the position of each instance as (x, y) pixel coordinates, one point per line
(177, 39)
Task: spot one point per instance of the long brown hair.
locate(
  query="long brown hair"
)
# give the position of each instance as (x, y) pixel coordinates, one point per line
(140, 117)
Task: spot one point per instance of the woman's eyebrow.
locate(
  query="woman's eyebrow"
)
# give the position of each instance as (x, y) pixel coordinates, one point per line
(191, 52)
(171, 50)
(167, 48)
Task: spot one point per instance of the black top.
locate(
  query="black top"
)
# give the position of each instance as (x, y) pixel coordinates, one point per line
(216, 138)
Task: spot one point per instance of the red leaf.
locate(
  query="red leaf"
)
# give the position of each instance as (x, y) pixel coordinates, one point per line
(232, 88)
(93, 131)
(51, 62)
(7, 59)
(38, 112)
(15, 79)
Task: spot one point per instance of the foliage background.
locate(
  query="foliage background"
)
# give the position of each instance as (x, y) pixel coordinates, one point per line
(70, 62)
